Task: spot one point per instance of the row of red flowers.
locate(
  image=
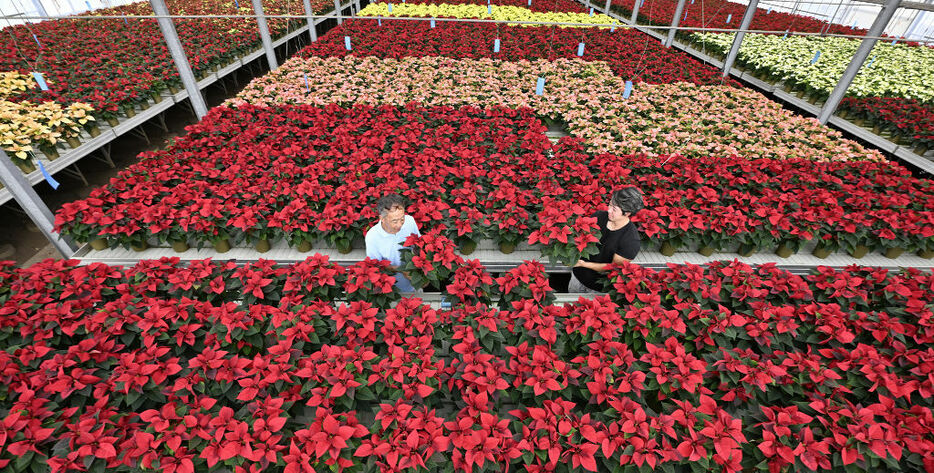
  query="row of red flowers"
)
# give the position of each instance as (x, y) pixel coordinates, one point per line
(715, 13)
(304, 173)
(630, 54)
(725, 367)
(112, 64)
(909, 121)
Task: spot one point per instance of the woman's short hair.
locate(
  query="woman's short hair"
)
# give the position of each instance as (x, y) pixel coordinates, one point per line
(388, 202)
(628, 199)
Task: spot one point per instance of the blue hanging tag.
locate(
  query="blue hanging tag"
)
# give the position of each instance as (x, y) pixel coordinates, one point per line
(530, 2)
(496, 45)
(37, 40)
(612, 28)
(126, 22)
(591, 11)
(40, 80)
(769, 12)
(816, 57)
(237, 4)
(86, 2)
(540, 86)
(642, 4)
(685, 16)
(580, 49)
(729, 17)
(307, 87)
(390, 8)
(432, 22)
(379, 21)
(786, 35)
(870, 62)
(347, 43)
(48, 177)
(489, 9)
(894, 41)
(692, 2)
(628, 90)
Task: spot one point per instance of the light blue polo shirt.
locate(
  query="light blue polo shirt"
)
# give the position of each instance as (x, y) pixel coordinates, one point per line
(385, 246)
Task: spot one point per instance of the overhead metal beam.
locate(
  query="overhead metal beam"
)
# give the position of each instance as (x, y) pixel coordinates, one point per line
(674, 23)
(40, 7)
(312, 31)
(908, 5)
(180, 58)
(264, 35)
(738, 38)
(35, 208)
(865, 47)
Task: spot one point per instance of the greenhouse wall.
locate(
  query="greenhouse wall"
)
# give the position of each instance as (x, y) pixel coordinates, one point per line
(912, 24)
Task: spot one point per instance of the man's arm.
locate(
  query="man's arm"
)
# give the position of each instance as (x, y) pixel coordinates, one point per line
(601, 267)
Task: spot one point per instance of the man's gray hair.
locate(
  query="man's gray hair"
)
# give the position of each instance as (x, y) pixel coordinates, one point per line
(388, 202)
(628, 199)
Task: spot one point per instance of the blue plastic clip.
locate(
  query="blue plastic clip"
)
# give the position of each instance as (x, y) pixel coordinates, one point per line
(580, 49)
(40, 80)
(628, 90)
(496, 45)
(347, 43)
(48, 177)
(432, 22)
(540, 86)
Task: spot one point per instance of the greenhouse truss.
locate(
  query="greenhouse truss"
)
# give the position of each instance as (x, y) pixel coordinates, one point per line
(218, 308)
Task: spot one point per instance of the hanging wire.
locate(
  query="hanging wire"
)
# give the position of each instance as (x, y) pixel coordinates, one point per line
(645, 49)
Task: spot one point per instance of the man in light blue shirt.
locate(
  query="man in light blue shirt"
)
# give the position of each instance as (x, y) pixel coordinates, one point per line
(384, 240)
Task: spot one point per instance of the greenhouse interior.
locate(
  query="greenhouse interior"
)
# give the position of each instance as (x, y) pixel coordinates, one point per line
(298, 236)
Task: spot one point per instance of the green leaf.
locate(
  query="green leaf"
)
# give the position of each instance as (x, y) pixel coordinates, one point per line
(364, 393)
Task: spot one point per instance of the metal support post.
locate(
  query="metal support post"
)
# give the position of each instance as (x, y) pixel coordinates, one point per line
(181, 60)
(606, 9)
(635, 11)
(35, 208)
(738, 39)
(356, 4)
(338, 12)
(264, 35)
(674, 23)
(865, 47)
(311, 21)
(40, 8)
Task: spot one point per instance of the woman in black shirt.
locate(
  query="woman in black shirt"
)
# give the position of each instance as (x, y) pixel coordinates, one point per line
(619, 241)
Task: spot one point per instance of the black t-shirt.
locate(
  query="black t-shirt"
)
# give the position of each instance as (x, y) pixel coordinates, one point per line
(624, 242)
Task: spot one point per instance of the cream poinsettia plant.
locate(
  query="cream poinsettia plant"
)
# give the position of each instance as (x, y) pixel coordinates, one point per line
(503, 13)
(677, 118)
(26, 126)
(894, 70)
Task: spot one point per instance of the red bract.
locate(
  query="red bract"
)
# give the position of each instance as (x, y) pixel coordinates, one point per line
(527, 281)
(371, 280)
(429, 258)
(471, 283)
